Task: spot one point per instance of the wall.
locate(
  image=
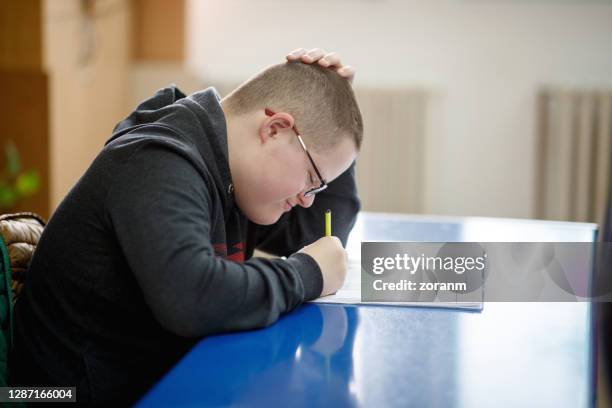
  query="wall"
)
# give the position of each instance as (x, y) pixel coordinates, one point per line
(86, 54)
(158, 49)
(485, 59)
(20, 34)
(157, 27)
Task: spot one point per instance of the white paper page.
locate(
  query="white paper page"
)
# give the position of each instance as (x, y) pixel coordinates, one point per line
(350, 293)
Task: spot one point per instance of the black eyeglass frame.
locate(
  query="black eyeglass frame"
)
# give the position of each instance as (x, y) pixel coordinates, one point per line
(323, 184)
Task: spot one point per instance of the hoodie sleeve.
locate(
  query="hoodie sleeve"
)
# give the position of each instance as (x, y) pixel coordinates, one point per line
(302, 226)
(160, 207)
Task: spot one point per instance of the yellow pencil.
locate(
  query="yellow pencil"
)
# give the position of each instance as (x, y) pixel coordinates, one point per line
(328, 223)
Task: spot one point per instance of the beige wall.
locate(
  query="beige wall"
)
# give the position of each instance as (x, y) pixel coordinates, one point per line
(86, 55)
(147, 77)
(158, 33)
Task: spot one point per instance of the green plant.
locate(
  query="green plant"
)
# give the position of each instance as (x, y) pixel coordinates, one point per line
(14, 183)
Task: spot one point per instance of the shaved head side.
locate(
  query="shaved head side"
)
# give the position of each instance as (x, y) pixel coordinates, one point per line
(321, 102)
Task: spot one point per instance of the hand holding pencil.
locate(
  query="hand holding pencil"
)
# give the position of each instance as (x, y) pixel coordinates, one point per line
(331, 258)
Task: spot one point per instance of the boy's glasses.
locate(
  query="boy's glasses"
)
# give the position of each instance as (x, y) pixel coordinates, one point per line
(323, 184)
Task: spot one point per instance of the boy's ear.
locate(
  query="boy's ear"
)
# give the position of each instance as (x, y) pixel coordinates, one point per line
(273, 125)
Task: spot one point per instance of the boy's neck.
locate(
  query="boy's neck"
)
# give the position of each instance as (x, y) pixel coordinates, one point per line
(240, 129)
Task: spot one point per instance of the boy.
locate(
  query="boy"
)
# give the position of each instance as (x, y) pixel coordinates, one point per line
(146, 254)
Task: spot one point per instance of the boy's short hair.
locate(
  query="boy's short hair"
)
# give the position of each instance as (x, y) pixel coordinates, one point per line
(321, 102)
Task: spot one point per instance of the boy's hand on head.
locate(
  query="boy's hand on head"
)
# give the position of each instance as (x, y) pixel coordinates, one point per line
(328, 60)
(332, 260)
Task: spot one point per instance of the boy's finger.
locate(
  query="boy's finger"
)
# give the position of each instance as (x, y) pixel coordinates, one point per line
(331, 60)
(313, 55)
(296, 54)
(347, 72)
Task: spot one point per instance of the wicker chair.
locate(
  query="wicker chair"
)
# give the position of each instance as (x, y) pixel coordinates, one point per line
(20, 232)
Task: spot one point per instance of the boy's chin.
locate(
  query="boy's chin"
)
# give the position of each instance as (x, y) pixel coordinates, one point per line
(264, 218)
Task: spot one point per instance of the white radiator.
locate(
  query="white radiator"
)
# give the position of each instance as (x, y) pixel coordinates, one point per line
(391, 165)
(574, 157)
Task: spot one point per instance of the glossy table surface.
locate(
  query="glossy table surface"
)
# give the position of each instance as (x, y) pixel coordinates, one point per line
(510, 354)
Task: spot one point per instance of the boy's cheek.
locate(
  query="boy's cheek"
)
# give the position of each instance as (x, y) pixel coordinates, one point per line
(282, 187)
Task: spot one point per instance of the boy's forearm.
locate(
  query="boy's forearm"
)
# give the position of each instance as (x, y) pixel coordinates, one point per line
(218, 295)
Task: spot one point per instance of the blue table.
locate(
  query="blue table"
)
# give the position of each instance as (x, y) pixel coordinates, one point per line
(510, 354)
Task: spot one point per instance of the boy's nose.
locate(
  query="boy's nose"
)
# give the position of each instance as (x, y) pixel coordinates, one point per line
(305, 201)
